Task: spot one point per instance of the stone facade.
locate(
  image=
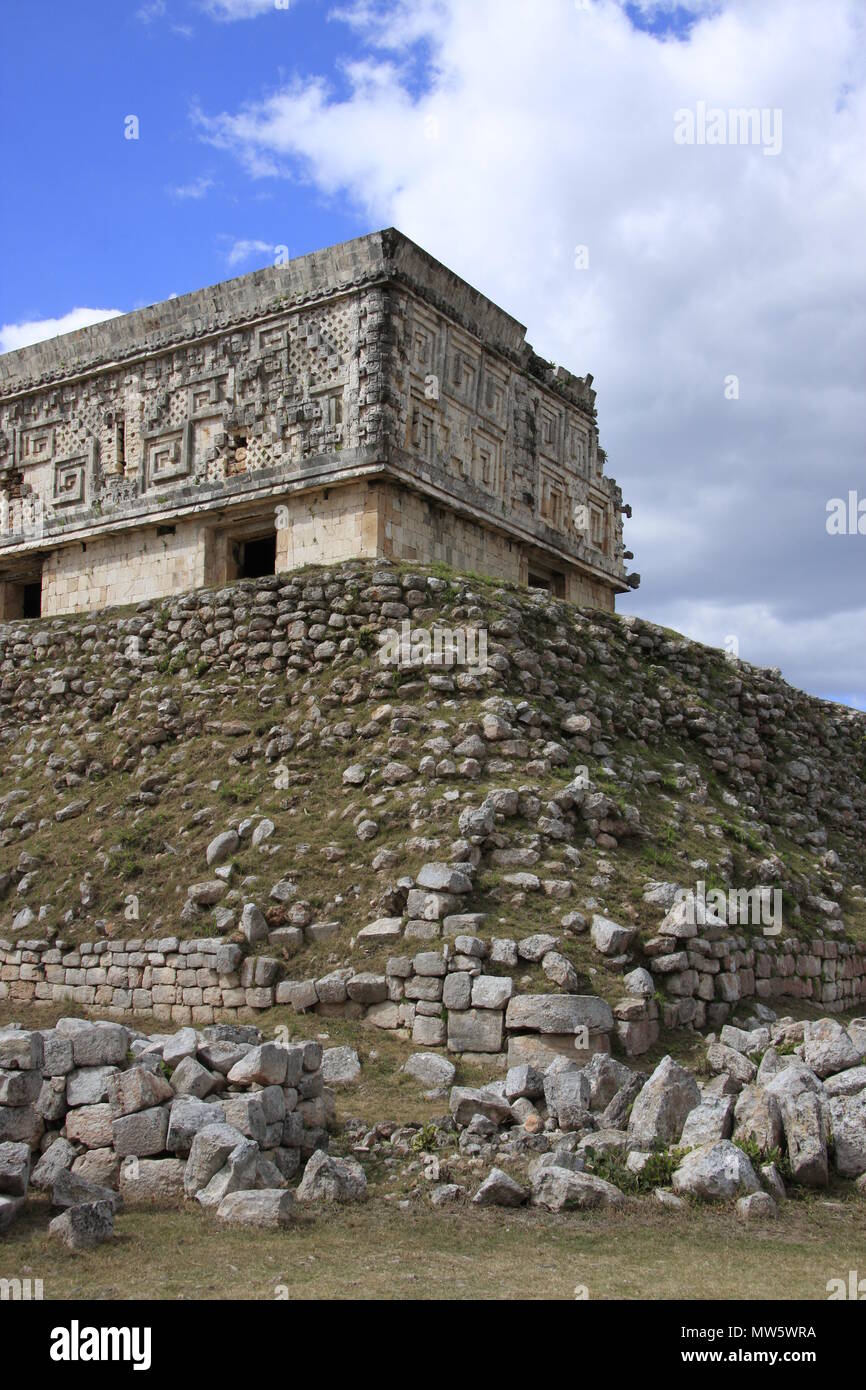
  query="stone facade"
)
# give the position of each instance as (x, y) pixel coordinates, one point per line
(360, 402)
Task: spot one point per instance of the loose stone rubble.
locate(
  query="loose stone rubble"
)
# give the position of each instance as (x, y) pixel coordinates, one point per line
(578, 1136)
(96, 1115)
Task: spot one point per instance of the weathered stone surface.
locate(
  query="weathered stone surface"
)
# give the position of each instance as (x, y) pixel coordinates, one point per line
(222, 847)
(152, 1179)
(848, 1131)
(726, 1059)
(558, 1013)
(19, 1087)
(58, 1058)
(606, 1076)
(428, 1030)
(791, 1080)
(539, 1050)
(14, 1169)
(716, 1172)
(805, 1137)
(183, 1043)
(190, 1078)
(500, 1190)
(557, 1189)
(71, 1189)
(430, 1069)
(828, 1048)
(708, 1122)
(475, 1030)
(524, 1081)
(100, 1166)
(141, 1134)
(188, 1115)
(367, 988)
(221, 1056)
(340, 1066)
(329, 1179)
(84, 1226)
(238, 1174)
(757, 1206)
(615, 1115)
(757, 1118)
(90, 1125)
(464, 1103)
(208, 1153)
(254, 926)
(567, 1094)
(267, 1210)
(609, 937)
(246, 1113)
(660, 1111)
(491, 991)
(266, 1065)
(137, 1088)
(20, 1050)
(846, 1083)
(89, 1085)
(444, 878)
(98, 1044)
(57, 1158)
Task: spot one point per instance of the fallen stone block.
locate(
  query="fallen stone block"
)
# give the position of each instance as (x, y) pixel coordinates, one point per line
(85, 1226)
(716, 1172)
(558, 1189)
(500, 1190)
(267, 1210)
(328, 1179)
(14, 1169)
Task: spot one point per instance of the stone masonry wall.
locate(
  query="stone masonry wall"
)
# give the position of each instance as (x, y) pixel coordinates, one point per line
(122, 569)
(457, 995)
(286, 388)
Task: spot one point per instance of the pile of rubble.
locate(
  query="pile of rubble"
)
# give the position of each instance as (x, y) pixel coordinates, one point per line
(95, 1115)
(785, 1104)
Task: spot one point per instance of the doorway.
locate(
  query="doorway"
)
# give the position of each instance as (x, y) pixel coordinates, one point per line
(256, 557)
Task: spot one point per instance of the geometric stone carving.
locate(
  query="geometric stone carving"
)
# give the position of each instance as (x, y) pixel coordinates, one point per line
(36, 445)
(167, 456)
(69, 482)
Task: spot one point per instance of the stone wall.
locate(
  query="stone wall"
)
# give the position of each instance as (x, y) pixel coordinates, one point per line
(459, 995)
(284, 394)
(122, 569)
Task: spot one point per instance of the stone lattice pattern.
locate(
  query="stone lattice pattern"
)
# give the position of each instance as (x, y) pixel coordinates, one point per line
(384, 405)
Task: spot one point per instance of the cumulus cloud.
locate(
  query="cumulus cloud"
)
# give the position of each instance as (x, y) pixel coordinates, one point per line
(18, 335)
(722, 309)
(245, 249)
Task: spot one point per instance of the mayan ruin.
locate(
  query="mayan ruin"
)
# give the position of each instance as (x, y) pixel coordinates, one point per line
(360, 402)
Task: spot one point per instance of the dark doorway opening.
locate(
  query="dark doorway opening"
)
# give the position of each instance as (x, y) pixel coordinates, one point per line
(257, 557)
(31, 601)
(537, 582)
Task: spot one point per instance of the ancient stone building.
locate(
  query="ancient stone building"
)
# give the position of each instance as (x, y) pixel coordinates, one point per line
(362, 401)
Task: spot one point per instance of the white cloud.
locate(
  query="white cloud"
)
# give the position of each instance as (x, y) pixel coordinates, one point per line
(199, 188)
(242, 9)
(18, 335)
(245, 249)
(151, 10)
(535, 128)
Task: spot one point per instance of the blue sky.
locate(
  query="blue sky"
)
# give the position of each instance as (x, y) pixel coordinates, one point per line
(111, 221)
(502, 135)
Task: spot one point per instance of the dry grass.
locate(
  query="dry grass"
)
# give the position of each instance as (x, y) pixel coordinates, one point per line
(379, 1251)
